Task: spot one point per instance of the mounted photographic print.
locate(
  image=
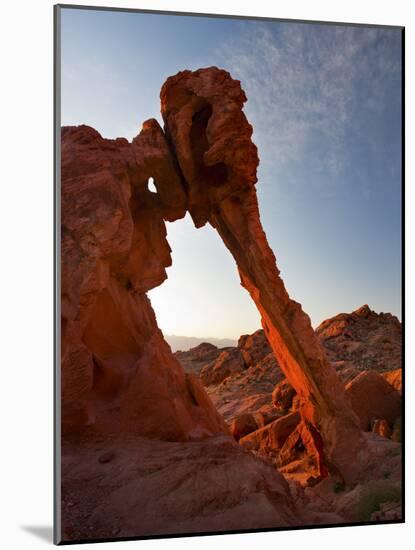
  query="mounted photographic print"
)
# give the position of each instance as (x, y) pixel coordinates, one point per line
(228, 274)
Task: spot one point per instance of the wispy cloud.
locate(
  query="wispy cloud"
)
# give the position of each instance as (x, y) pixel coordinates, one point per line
(308, 84)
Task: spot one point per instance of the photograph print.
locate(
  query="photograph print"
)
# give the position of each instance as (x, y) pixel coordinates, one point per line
(229, 259)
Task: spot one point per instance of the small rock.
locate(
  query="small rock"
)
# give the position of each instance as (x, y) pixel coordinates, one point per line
(106, 457)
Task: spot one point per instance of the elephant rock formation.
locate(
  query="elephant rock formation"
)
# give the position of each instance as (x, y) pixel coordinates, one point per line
(118, 373)
(211, 137)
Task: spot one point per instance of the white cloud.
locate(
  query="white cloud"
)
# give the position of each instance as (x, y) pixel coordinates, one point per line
(306, 84)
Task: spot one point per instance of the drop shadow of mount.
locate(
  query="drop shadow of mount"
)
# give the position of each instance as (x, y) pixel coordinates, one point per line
(43, 532)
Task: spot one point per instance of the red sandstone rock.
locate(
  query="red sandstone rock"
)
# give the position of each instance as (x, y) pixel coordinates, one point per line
(243, 425)
(158, 487)
(283, 395)
(394, 378)
(247, 388)
(118, 374)
(273, 435)
(254, 348)
(382, 428)
(372, 397)
(358, 336)
(211, 136)
(266, 414)
(229, 362)
(362, 340)
(304, 444)
(204, 351)
(194, 359)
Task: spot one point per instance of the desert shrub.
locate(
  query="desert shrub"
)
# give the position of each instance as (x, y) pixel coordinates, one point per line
(371, 498)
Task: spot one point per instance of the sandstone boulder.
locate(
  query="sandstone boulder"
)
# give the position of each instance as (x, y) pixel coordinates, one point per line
(273, 435)
(229, 362)
(243, 425)
(372, 398)
(394, 378)
(362, 340)
(194, 359)
(266, 414)
(254, 347)
(283, 395)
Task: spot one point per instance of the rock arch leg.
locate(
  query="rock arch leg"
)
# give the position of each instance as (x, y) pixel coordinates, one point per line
(230, 205)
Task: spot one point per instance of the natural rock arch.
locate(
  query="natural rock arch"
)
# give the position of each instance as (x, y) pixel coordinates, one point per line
(204, 163)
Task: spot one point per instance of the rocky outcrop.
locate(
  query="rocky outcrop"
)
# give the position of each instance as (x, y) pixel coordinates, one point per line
(351, 341)
(158, 487)
(118, 374)
(255, 348)
(243, 425)
(229, 362)
(283, 395)
(194, 359)
(246, 389)
(271, 438)
(373, 398)
(211, 137)
(362, 340)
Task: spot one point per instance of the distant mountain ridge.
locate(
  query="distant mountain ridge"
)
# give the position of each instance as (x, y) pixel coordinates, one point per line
(184, 343)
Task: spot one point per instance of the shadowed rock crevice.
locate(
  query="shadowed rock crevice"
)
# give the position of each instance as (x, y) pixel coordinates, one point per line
(207, 175)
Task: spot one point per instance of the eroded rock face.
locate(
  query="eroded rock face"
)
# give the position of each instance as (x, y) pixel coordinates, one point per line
(254, 348)
(194, 359)
(362, 340)
(243, 425)
(394, 378)
(283, 395)
(211, 137)
(271, 438)
(229, 362)
(118, 374)
(245, 388)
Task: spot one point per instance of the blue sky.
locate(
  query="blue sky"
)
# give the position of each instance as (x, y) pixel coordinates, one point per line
(325, 104)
